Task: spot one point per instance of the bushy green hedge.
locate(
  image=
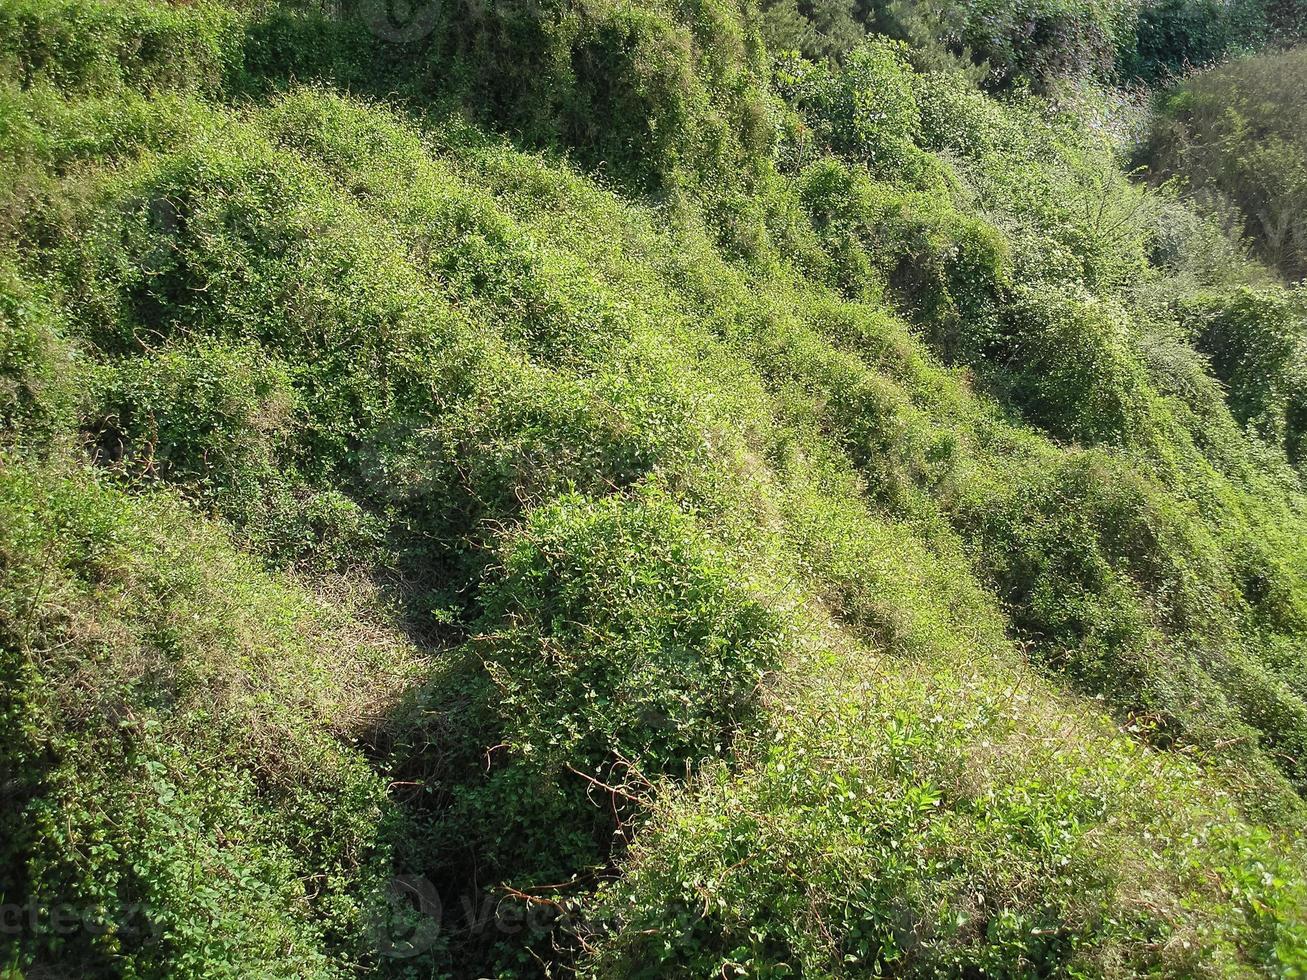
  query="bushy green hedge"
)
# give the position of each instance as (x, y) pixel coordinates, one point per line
(208, 415)
(614, 650)
(1257, 343)
(865, 110)
(661, 99)
(945, 269)
(1174, 36)
(612, 629)
(1022, 43)
(36, 396)
(83, 44)
(1041, 42)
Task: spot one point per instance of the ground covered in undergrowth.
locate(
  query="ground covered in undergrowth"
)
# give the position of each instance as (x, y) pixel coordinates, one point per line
(642, 490)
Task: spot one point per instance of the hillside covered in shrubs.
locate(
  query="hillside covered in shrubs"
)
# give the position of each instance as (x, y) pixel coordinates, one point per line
(666, 489)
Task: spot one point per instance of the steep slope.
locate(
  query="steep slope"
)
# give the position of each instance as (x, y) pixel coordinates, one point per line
(785, 531)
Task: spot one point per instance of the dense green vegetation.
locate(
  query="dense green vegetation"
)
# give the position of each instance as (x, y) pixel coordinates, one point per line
(1037, 42)
(1235, 136)
(626, 490)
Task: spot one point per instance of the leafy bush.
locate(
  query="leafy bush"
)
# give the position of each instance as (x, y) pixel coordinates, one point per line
(658, 98)
(171, 721)
(1093, 577)
(617, 633)
(1257, 342)
(867, 837)
(36, 398)
(80, 44)
(943, 268)
(1173, 36)
(208, 416)
(613, 646)
(1068, 365)
(864, 109)
(1040, 40)
(1029, 42)
(1235, 133)
(379, 369)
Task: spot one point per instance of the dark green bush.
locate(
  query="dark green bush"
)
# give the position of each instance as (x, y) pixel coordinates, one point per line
(863, 110)
(1023, 43)
(203, 416)
(285, 44)
(1257, 342)
(1090, 568)
(820, 30)
(36, 371)
(218, 421)
(1174, 36)
(1067, 365)
(942, 267)
(617, 634)
(661, 99)
(90, 45)
(1045, 39)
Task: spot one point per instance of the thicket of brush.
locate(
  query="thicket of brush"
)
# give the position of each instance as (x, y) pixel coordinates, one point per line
(571, 491)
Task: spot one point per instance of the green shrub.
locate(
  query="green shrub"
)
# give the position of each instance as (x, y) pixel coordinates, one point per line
(898, 826)
(203, 416)
(825, 30)
(614, 646)
(863, 110)
(1174, 36)
(284, 44)
(956, 117)
(1235, 132)
(218, 421)
(658, 98)
(1117, 586)
(942, 267)
(1045, 39)
(92, 45)
(1257, 342)
(1023, 43)
(36, 368)
(382, 373)
(616, 632)
(1067, 364)
(173, 724)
